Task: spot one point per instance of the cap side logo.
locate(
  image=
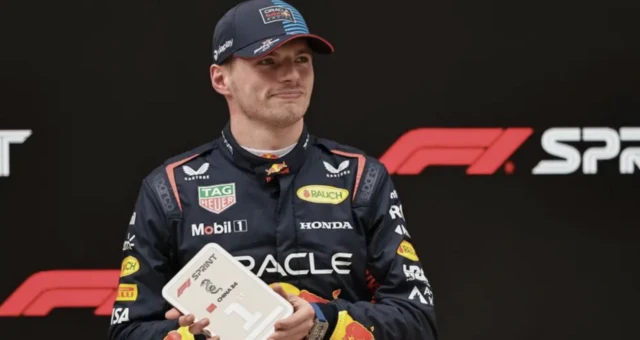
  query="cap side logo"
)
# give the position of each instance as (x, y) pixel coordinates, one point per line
(276, 14)
(222, 48)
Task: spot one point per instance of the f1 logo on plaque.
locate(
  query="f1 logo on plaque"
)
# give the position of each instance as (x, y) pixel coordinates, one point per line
(239, 305)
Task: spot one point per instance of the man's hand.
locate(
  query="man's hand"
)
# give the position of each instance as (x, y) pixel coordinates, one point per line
(186, 320)
(296, 326)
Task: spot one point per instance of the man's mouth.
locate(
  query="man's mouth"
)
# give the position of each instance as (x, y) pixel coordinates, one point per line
(288, 94)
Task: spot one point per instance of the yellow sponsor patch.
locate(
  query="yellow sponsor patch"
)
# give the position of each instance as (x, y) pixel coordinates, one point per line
(323, 194)
(129, 266)
(406, 249)
(127, 292)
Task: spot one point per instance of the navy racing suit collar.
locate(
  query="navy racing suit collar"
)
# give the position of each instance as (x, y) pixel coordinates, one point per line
(267, 168)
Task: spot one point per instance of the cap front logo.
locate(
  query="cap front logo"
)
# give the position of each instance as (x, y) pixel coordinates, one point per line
(266, 45)
(275, 14)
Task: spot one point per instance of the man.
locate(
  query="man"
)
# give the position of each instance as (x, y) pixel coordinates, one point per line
(319, 221)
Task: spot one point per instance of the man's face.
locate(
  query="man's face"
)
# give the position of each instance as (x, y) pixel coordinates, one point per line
(275, 89)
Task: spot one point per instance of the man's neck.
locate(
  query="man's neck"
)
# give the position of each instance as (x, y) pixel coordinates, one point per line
(255, 135)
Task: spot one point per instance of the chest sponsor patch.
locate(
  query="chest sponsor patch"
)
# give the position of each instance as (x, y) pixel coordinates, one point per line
(323, 194)
(325, 225)
(217, 198)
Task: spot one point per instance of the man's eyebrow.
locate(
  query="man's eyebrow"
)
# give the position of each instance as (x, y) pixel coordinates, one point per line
(304, 50)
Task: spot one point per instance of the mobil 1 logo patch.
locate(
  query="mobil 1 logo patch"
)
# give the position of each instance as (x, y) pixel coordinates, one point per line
(226, 227)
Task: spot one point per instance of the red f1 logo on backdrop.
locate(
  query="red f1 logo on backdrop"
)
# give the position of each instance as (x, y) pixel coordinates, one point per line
(39, 294)
(482, 150)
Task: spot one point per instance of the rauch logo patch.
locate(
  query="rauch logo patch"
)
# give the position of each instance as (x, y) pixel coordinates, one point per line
(129, 266)
(322, 194)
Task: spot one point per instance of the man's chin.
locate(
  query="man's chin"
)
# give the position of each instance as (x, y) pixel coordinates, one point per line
(285, 119)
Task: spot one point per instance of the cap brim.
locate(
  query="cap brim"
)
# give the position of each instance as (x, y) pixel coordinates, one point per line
(256, 50)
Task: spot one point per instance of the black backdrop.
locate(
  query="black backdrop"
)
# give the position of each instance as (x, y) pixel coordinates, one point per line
(111, 89)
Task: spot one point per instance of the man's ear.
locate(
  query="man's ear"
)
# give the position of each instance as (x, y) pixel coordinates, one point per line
(219, 79)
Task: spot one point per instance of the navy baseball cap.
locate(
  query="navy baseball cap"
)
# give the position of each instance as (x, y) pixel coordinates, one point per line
(254, 28)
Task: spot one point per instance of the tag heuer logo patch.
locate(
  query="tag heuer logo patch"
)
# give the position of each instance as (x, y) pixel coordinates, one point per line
(217, 198)
(275, 14)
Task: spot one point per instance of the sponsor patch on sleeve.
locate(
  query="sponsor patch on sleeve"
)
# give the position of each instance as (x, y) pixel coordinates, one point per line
(127, 292)
(405, 249)
(129, 266)
(163, 191)
(369, 182)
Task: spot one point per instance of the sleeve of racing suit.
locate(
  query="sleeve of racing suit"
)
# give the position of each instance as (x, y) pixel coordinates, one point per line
(138, 312)
(402, 305)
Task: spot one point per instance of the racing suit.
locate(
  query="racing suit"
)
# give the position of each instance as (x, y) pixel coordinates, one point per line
(324, 220)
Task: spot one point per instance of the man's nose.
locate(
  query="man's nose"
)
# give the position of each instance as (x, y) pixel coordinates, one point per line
(288, 72)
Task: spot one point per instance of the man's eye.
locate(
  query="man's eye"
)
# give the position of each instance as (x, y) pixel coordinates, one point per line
(303, 59)
(265, 61)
